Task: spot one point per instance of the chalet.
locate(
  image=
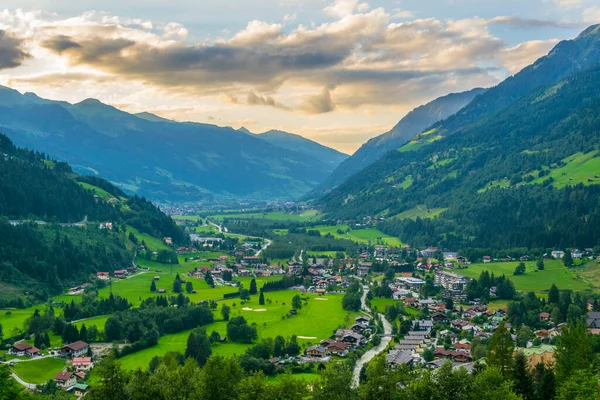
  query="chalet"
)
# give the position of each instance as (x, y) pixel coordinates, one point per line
(106, 225)
(79, 389)
(457, 356)
(338, 348)
(558, 254)
(459, 323)
(462, 347)
(82, 364)
(399, 357)
(168, 240)
(362, 271)
(248, 260)
(544, 316)
(24, 349)
(440, 318)
(316, 351)
(593, 320)
(358, 328)
(76, 349)
(65, 379)
(487, 259)
(362, 320)
(460, 260)
(120, 273)
(577, 254)
(103, 276)
(352, 338)
(422, 325)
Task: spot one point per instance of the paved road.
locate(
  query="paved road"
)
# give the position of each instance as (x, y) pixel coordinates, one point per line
(25, 221)
(385, 341)
(223, 229)
(29, 386)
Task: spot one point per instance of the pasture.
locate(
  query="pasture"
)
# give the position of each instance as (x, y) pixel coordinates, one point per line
(578, 168)
(533, 280)
(317, 319)
(38, 371)
(14, 322)
(306, 216)
(371, 235)
(420, 211)
(151, 242)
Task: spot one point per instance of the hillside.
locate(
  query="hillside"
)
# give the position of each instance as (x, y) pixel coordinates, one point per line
(300, 144)
(523, 176)
(65, 244)
(157, 158)
(414, 122)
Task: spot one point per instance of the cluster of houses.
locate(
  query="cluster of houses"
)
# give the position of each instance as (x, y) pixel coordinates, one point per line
(343, 342)
(118, 273)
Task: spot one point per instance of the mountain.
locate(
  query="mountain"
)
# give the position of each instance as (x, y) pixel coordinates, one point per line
(65, 246)
(160, 159)
(304, 146)
(522, 175)
(414, 122)
(151, 117)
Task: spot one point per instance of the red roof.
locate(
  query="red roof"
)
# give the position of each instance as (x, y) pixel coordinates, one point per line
(76, 346)
(22, 346)
(33, 350)
(102, 274)
(82, 361)
(63, 376)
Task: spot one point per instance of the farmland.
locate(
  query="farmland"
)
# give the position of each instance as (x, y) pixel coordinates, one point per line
(371, 235)
(420, 211)
(578, 168)
(306, 216)
(540, 281)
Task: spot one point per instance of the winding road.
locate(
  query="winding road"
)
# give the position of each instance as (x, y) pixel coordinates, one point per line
(223, 229)
(385, 341)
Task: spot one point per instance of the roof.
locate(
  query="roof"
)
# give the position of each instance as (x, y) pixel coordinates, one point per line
(22, 346)
(82, 360)
(399, 357)
(33, 349)
(320, 349)
(63, 376)
(76, 346)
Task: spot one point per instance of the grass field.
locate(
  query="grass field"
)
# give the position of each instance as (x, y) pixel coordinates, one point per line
(98, 321)
(420, 211)
(359, 235)
(14, 323)
(306, 216)
(578, 169)
(38, 371)
(554, 272)
(151, 242)
(318, 319)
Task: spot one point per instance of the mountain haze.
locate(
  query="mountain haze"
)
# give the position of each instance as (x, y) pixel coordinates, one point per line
(414, 122)
(162, 159)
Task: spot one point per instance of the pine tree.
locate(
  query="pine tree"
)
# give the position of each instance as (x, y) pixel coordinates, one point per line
(177, 284)
(544, 382)
(568, 259)
(261, 299)
(153, 286)
(189, 287)
(500, 350)
(521, 376)
(540, 264)
(253, 289)
(209, 279)
(553, 295)
(83, 333)
(297, 302)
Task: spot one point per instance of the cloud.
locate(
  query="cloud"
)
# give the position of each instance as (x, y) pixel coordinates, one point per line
(344, 8)
(591, 15)
(524, 54)
(11, 53)
(534, 23)
(253, 99)
(318, 104)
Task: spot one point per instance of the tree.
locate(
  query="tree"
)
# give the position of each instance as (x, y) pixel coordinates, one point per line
(524, 336)
(335, 383)
(177, 284)
(521, 376)
(428, 355)
(238, 330)
(261, 299)
(573, 351)
(583, 384)
(279, 346)
(544, 382)
(553, 295)
(449, 304)
(568, 259)
(215, 337)
(225, 310)
(208, 278)
(244, 294)
(153, 286)
(293, 348)
(253, 289)
(198, 347)
(9, 389)
(1, 333)
(113, 378)
(83, 334)
(227, 276)
(500, 350)
(540, 264)
(297, 302)
(189, 287)
(520, 269)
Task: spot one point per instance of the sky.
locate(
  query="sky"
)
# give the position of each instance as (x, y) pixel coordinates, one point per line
(335, 71)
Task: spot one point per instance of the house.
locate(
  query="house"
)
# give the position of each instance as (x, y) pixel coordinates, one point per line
(168, 240)
(338, 348)
(411, 283)
(461, 260)
(316, 351)
(440, 318)
(24, 349)
(76, 349)
(103, 276)
(558, 254)
(82, 364)
(577, 254)
(120, 273)
(429, 252)
(362, 320)
(422, 325)
(65, 379)
(487, 259)
(399, 357)
(80, 389)
(544, 316)
(593, 320)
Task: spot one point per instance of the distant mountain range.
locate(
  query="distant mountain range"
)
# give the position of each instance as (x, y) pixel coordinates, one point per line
(517, 167)
(414, 122)
(162, 159)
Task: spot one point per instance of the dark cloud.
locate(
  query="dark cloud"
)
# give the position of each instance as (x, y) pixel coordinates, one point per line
(60, 44)
(319, 104)
(11, 53)
(535, 23)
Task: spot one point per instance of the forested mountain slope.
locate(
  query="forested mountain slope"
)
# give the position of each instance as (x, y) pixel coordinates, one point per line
(414, 122)
(156, 158)
(526, 175)
(51, 254)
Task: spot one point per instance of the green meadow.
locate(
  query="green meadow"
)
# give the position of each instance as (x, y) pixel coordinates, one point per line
(317, 320)
(578, 168)
(38, 371)
(151, 242)
(306, 216)
(420, 211)
(533, 280)
(359, 235)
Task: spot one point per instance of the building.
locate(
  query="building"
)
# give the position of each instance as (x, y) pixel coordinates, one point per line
(429, 252)
(76, 349)
(24, 349)
(411, 283)
(316, 351)
(338, 348)
(82, 364)
(454, 285)
(558, 254)
(399, 357)
(593, 320)
(577, 254)
(487, 259)
(120, 273)
(79, 389)
(103, 276)
(65, 379)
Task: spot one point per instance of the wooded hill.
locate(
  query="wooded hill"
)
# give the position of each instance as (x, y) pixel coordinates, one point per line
(524, 175)
(58, 250)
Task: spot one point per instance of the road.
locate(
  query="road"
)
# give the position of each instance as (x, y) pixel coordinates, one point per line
(29, 386)
(223, 229)
(385, 341)
(25, 221)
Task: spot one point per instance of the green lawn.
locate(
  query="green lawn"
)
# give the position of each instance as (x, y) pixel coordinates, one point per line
(318, 319)
(554, 272)
(420, 211)
(14, 323)
(38, 371)
(151, 242)
(98, 321)
(360, 235)
(99, 191)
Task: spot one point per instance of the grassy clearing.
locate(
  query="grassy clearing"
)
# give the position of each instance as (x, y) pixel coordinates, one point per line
(97, 321)
(14, 323)
(98, 191)
(38, 371)
(151, 242)
(420, 211)
(359, 235)
(579, 168)
(554, 272)
(317, 318)
(306, 216)
(192, 218)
